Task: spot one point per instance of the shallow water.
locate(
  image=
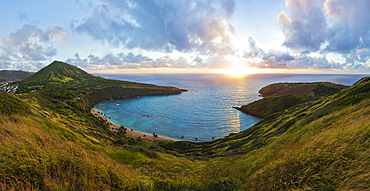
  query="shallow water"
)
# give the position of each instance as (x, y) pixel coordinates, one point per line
(205, 111)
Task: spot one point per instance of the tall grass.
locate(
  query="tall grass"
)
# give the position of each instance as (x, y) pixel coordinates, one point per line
(319, 145)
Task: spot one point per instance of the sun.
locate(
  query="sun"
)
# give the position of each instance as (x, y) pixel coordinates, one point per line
(238, 69)
(237, 72)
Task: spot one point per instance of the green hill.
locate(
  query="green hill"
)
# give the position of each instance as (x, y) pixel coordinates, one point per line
(281, 96)
(54, 74)
(59, 72)
(49, 140)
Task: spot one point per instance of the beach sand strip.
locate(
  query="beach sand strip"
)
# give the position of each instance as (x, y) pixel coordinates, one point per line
(130, 133)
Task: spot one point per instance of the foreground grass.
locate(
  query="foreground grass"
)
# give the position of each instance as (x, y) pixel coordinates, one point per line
(49, 141)
(309, 156)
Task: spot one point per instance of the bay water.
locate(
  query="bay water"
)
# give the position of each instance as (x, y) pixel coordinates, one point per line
(203, 113)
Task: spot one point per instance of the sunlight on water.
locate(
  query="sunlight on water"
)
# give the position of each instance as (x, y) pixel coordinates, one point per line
(205, 111)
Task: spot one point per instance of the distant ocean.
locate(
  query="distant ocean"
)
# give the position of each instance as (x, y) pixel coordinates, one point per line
(205, 111)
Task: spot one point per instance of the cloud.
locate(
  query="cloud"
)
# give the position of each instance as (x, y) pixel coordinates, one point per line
(254, 51)
(340, 27)
(164, 25)
(127, 61)
(131, 58)
(272, 59)
(284, 60)
(30, 44)
(23, 16)
(351, 28)
(215, 62)
(337, 26)
(27, 47)
(307, 27)
(21, 65)
(281, 60)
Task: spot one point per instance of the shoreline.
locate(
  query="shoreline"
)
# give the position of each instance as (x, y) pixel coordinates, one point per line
(130, 133)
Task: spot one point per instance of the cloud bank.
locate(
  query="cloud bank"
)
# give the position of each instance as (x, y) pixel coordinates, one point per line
(333, 26)
(28, 46)
(318, 34)
(307, 27)
(163, 25)
(285, 60)
(346, 29)
(127, 61)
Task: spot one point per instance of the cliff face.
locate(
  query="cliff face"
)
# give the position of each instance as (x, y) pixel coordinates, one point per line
(281, 96)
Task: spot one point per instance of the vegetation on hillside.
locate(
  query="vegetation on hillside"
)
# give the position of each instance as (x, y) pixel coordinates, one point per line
(10, 104)
(316, 89)
(2, 79)
(320, 145)
(56, 73)
(13, 75)
(49, 140)
(281, 96)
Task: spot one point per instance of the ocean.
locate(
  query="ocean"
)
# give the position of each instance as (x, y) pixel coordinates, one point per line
(203, 113)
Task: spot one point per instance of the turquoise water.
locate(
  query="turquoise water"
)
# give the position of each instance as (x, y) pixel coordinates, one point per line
(205, 111)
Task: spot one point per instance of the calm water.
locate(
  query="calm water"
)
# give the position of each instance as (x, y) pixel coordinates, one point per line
(205, 111)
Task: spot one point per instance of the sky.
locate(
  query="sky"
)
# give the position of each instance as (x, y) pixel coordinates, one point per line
(245, 36)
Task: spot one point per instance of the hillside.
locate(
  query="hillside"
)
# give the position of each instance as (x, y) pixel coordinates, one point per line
(319, 145)
(281, 96)
(12, 75)
(49, 140)
(59, 72)
(53, 74)
(2, 79)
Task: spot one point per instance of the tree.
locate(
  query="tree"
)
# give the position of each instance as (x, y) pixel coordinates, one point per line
(122, 129)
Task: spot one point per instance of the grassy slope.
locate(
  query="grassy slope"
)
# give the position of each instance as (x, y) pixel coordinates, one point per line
(323, 145)
(327, 149)
(50, 143)
(281, 96)
(54, 74)
(50, 147)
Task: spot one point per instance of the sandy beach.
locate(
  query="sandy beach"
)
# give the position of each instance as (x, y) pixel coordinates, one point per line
(130, 133)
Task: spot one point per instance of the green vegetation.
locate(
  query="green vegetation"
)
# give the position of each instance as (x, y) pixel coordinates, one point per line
(320, 145)
(56, 73)
(281, 96)
(10, 104)
(2, 79)
(13, 75)
(49, 140)
(315, 89)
